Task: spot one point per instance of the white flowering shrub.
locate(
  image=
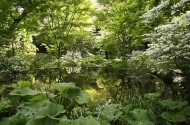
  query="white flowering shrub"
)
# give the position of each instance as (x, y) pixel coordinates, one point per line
(171, 41)
(13, 68)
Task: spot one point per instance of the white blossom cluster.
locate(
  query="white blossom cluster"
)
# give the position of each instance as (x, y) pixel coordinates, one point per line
(153, 13)
(175, 7)
(182, 20)
(74, 57)
(179, 4)
(73, 69)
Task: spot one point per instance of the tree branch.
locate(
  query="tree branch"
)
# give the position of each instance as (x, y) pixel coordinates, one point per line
(16, 22)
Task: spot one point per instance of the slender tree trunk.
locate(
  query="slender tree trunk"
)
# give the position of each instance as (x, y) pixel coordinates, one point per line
(106, 53)
(59, 62)
(13, 48)
(123, 49)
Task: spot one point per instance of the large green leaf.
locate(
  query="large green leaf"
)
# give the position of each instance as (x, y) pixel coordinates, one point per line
(143, 122)
(31, 109)
(172, 105)
(43, 121)
(138, 117)
(173, 116)
(71, 93)
(52, 110)
(5, 103)
(82, 98)
(24, 92)
(139, 114)
(110, 113)
(15, 120)
(35, 104)
(127, 108)
(64, 121)
(43, 96)
(89, 120)
(186, 111)
(2, 88)
(104, 122)
(25, 113)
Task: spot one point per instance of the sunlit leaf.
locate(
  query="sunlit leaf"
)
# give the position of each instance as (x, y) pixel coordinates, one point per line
(43, 96)
(83, 97)
(24, 84)
(24, 92)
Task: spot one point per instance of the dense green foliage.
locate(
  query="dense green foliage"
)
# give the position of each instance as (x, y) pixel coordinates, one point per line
(104, 62)
(67, 104)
